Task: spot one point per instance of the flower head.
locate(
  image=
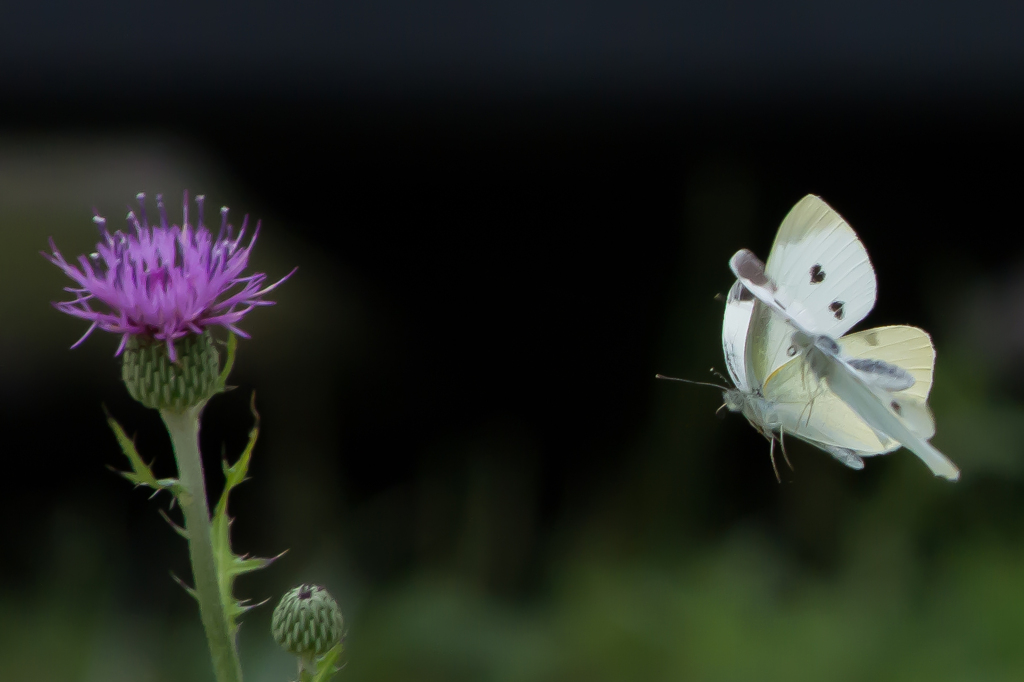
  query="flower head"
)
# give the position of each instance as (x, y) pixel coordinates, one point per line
(164, 281)
(307, 621)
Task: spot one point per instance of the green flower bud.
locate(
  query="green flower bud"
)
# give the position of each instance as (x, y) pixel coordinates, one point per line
(307, 622)
(157, 381)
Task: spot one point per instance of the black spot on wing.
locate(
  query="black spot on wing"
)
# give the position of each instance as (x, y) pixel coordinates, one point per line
(817, 274)
(896, 408)
(837, 309)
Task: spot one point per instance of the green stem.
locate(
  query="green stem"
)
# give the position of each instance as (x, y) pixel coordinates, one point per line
(183, 428)
(307, 668)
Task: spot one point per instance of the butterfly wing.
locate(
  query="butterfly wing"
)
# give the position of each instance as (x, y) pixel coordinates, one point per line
(818, 280)
(738, 307)
(818, 260)
(806, 407)
(906, 347)
(790, 342)
(885, 414)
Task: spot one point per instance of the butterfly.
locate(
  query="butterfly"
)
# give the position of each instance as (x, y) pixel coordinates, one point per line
(796, 373)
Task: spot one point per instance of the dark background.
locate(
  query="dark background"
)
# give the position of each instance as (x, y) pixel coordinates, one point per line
(506, 220)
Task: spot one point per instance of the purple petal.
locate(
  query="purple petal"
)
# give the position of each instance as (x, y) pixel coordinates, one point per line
(164, 280)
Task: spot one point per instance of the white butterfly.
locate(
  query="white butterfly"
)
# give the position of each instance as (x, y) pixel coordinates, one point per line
(861, 395)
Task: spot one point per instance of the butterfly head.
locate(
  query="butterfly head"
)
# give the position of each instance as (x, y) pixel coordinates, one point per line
(759, 411)
(735, 399)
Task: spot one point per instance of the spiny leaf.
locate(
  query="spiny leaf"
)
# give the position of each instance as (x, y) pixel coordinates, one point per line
(246, 564)
(140, 474)
(177, 529)
(229, 564)
(325, 668)
(184, 586)
(247, 606)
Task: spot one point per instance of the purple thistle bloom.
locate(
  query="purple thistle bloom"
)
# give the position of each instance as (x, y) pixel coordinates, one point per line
(164, 282)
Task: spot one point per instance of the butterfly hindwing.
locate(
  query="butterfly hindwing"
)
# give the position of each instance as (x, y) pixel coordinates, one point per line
(890, 417)
(808, 408)
(907, 347)
(738, 306)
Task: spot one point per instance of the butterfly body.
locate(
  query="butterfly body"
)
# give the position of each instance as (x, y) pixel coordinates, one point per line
(759, 411)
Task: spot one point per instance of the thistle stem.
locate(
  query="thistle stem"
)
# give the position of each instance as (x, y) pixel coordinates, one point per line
(307, 668)
(183, 428)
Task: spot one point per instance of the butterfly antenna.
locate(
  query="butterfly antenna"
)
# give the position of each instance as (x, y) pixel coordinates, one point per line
(771, 455)
(782, 443)
(688, 381)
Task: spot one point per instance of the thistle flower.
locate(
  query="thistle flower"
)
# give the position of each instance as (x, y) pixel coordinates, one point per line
(164, 282)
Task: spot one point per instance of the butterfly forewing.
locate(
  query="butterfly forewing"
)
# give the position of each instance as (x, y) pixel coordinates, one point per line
(821, 277)
(818, 260)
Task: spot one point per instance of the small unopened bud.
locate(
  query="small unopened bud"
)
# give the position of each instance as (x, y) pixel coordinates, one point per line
(307, 622)
(156, 381)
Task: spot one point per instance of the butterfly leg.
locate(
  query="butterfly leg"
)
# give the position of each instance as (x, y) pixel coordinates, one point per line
(771, 455)
(810, 410)
(782, 443)
(810, 405)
